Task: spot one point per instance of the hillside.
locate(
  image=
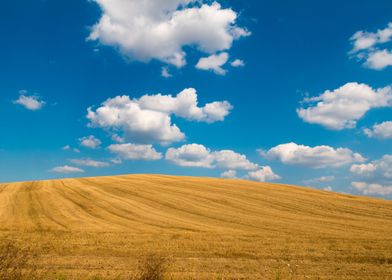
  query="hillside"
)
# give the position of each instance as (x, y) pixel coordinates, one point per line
(207, 228)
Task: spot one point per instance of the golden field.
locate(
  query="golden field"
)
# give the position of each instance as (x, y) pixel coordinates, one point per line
(204, 228)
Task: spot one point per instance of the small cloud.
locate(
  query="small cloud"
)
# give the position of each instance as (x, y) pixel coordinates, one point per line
(328, 189)
(322, 179)
(214, 63)
(90, 142)
(117, 138)
(264, 174)
(89, 162)
(66, 148)
(135, 152)
(237, 63)
(31, 102)
(165, 72)
(66, 169)
(230, 174)
(313, 157)
(380, 131)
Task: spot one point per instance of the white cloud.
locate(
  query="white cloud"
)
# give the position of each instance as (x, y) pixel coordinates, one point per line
(227, 159)
(185, 105)
(343, 107)
(148, 119)
(328, 189)
(214, 63)
(366, 47)
(380, 131)
(264, 174)
(67, 169)
(165, 72)
(379, 60)
(199, 156)
(372, 189)
(117, 138)
(196, 155)
(230, 174)
(313, 157)
(363, 40)
(89, 162)
(145, 30)
(32, 103)
(90, 142)
(322, 179)
(66, 148)
(237, 63)
(135, 152)
(191, 155)
(378, 169)
(363, 169)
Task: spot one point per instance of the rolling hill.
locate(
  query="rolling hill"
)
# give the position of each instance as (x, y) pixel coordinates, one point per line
(206, 228)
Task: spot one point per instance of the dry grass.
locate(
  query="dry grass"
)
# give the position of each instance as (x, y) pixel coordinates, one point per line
(206, 228)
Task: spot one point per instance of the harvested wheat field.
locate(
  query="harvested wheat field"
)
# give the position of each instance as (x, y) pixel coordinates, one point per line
(202, 228)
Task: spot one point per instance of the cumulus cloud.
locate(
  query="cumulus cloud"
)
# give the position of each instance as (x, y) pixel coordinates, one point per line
(196, 155)
(90, 142)
(379, 60)
(32, 102)
(228, 159)
(165, 72)
(66, 169)
(379, 169)
(372, 188)
(237, 63)
(366, 47)
(313, 157)
(263, 174)
(135, 152)
(148, 119)
(380, 131)
(89, 162)
(322, 179)
(230, 174)
(145, 30)
(343, 107)
(214, 63)
(191, 155)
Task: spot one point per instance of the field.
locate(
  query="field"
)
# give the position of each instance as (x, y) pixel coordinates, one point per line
(203, 228)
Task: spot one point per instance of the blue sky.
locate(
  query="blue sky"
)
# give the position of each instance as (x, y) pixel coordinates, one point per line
(255, 63)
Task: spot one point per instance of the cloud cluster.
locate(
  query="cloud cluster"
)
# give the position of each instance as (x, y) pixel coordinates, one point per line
(322, 179)
(66, 169)
(196, 155)
(214, 63)
(366, 47)
(30, 102)
(263, 174)
(135, 152)
(148, 119)
(229, 174)
(380, 131)
(380, 169)
(89, 162)
(343, 107)
(90, 142)
(376, 176)
(372, 188)
(313, 157)
(145, 30)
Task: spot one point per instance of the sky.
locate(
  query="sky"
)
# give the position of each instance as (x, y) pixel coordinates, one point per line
(272, 91)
